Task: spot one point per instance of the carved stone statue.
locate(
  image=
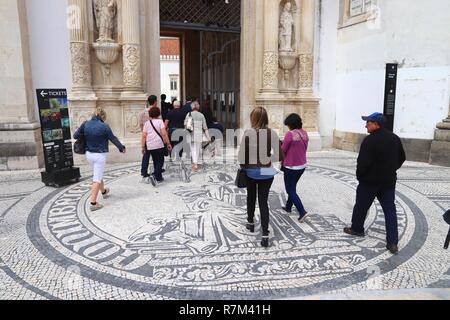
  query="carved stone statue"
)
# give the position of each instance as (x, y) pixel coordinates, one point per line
(105, 15)
(286, 28)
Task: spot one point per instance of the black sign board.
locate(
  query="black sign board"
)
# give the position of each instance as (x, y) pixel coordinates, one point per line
(56, 135)
(390, 94)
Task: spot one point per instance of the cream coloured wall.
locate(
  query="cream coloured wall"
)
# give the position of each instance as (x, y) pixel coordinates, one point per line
(416, 35)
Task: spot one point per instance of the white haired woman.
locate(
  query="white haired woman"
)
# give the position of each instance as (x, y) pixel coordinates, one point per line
(196, 137)
(97, 135)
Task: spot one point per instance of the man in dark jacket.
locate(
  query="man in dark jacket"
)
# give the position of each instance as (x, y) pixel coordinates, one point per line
(380, 157)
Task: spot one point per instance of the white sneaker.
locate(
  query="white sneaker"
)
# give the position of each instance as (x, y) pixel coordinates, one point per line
(107, 194)
(96, 207)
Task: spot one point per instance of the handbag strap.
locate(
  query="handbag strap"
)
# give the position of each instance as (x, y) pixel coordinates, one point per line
(300, 134)
(151, 122)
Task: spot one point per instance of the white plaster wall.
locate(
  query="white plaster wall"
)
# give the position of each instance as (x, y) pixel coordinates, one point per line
(413, 33)
(49, 44)
(169, 67)
(325, 70)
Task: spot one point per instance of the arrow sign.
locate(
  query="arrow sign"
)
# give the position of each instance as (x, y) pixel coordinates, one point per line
(43, 94)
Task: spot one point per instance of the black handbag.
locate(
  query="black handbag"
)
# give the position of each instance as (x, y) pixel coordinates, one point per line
(241, 179)
(165, 150)
(79, 147)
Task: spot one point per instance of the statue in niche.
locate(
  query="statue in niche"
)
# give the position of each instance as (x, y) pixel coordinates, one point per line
(105, 15)
(286, 28)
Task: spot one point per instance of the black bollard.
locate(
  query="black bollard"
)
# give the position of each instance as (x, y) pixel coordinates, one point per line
(447, 219)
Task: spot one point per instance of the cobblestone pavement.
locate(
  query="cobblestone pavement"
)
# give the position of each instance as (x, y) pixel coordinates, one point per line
(188, 240)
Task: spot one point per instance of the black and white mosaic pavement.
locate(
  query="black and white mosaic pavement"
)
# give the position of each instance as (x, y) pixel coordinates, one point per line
(188, 240)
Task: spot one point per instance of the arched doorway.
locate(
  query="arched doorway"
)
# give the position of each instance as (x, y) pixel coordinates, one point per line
(209, 33)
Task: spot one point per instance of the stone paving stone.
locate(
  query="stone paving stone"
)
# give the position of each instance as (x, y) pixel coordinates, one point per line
(188, 240)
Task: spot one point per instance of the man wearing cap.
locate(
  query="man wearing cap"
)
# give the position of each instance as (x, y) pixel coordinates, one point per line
(380, 157)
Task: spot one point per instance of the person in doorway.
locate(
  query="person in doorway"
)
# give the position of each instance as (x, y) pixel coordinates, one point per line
(259, 148)
(97, 135)
(144, 117)
(196, 136)
(380, 157)
(154, 140)
(175, 121)
(165, 107)
(294, 146)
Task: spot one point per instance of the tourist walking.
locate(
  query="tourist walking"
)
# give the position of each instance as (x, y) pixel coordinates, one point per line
(97, 135)
(155, 140)
(295, 146)
(143, 118)
(260, 147)
(199, 129)
(380, 157)
(175, 121)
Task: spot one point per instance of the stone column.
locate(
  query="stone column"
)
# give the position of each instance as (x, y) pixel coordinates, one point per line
(306, 64)
(20, 134)
(80, 50)
(440, 147)
(271, 56)
(132, 72)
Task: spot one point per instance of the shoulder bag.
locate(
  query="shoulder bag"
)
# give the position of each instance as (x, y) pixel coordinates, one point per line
(79, 147)
(166, 151)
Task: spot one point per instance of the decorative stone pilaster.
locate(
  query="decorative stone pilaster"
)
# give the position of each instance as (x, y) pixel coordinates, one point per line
(271, 57)
(80, 50)
(132, 72)
(270, 71)
(81, 67)
(306, 65)
(132, 76)
(306, 71)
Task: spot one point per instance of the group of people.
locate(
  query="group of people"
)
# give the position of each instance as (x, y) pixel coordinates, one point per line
(159, 138)
(380, 157)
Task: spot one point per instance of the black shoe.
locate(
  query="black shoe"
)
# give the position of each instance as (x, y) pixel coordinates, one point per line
(286, 209)
(250, 227)
(393, 248)
(153, 181)
(265, 241)
(353, 233)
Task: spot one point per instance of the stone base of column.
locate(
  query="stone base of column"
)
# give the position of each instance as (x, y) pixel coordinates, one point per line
(440, 147)
(21, 147)
(280, 106)
(134, 94)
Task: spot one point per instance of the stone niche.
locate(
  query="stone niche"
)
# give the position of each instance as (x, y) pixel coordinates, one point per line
(107, 71)
(288, 65)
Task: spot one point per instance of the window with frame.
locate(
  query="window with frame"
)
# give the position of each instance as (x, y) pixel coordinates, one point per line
(173, 84)
(357, 11)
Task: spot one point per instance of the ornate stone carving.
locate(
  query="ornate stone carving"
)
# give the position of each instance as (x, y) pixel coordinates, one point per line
(105, 15)
(306, 70)
(286, 28)
(270, 72)
(81, 69)
(132, 122)
(132, 65)
(78, 116)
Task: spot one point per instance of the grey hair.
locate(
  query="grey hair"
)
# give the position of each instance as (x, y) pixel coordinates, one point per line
(177, 104)
(195, 106)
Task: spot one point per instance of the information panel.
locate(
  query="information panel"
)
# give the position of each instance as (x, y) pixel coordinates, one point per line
(55, 127)
(390, 94)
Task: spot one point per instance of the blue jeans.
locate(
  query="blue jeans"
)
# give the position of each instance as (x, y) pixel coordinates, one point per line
(365, 195)
(291, 178)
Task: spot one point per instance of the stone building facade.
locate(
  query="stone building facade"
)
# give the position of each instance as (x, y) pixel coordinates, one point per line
(322, 59)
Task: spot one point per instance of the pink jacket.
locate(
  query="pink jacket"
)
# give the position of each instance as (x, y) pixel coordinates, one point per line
(294, 146)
